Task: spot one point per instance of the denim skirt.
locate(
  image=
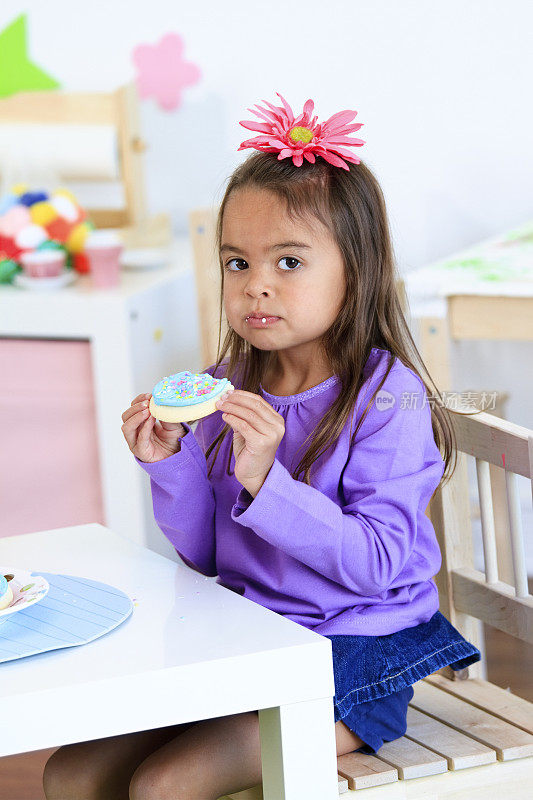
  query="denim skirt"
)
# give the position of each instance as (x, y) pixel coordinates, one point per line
(374, 675)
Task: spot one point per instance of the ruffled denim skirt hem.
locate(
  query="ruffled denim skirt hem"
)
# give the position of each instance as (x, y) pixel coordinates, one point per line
(379, 721)
(374, 674)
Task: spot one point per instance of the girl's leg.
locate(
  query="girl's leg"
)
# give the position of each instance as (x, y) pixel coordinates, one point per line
(212, 758)
(102, 769)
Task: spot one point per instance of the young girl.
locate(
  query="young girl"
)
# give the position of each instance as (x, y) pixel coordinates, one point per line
(308, 493)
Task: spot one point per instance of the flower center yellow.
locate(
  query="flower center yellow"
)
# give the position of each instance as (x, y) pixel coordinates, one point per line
(299, 134)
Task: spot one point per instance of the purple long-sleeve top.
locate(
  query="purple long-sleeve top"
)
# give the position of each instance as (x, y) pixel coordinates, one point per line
(354, 553)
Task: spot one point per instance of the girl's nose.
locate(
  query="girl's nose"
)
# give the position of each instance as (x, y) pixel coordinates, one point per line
(257, 285)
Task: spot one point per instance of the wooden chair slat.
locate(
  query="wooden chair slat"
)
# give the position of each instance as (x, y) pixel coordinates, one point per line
(450, 514)
(495, 603)
(517, 535)
(362, 770)
(508, 740)
(489, 697)
(412, 760)
(486, 511)
(487, 437)
(460, 751)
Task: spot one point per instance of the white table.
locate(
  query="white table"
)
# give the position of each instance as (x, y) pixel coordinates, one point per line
(191, 650)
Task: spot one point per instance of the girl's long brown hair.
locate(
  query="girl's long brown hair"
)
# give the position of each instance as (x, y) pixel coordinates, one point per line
(352, 207)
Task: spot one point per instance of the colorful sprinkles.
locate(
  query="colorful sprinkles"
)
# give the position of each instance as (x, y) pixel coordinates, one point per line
(187, 388)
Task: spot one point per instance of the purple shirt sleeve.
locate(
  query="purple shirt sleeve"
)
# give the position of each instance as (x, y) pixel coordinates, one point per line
(184, 504)
(393, 469)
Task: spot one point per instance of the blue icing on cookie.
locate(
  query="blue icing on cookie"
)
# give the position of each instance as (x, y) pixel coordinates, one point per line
(3, 586)
(187, 389)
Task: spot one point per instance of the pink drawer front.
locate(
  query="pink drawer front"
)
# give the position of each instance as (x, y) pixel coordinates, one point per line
(50, 474)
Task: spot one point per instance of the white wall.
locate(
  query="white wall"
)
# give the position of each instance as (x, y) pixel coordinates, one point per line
(442, 89)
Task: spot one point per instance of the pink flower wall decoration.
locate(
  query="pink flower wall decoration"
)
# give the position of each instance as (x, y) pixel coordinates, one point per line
(162, 71)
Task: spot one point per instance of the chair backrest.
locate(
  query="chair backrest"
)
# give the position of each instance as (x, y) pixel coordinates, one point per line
(202, 222)
(468, 596)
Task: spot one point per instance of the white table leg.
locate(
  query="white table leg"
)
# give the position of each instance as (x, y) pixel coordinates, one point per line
(298, 751)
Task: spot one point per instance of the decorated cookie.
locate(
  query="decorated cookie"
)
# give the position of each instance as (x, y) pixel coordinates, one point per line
(6, 595)
(187, 396)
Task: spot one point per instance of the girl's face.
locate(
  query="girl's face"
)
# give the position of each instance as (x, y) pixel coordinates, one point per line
(277, 267)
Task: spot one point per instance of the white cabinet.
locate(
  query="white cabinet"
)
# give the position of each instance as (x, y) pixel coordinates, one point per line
(134, 335)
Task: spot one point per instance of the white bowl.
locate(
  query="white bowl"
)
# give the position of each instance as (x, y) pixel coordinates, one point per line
(145, 257)
(25, 282)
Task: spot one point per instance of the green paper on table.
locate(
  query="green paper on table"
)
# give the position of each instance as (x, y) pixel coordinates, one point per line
(504, 258)
(17, 72)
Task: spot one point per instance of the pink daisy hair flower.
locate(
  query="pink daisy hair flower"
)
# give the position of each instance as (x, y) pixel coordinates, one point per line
(302, 137)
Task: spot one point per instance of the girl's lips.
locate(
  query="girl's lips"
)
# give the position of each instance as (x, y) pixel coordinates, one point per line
(261, 322)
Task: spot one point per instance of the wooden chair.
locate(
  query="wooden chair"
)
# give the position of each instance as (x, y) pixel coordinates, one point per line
(465, 736)
(471, 317)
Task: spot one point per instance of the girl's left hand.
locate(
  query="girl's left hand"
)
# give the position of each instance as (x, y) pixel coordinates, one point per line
(257, 432)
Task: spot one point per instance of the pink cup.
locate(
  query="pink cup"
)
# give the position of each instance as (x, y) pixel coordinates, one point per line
(46, 263)
(103, 249)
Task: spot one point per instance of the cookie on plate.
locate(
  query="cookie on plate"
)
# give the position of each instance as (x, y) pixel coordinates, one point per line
(6, 595)
(187, 396)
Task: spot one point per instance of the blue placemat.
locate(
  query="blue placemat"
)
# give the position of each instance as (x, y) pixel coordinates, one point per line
(75, 611)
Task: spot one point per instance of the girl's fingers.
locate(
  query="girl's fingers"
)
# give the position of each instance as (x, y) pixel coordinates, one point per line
(132, 423)
(140, 397)
(239, 417)
(134, 409)
(242, 426)
(253, 413)
(145, 430)
(130, 435)
(254, 401)
(134, 418)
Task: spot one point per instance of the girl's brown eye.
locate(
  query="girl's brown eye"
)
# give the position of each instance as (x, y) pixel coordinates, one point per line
(234, 259)
(290, 258)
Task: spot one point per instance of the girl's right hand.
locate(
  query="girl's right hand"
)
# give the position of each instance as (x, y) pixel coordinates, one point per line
(150, 439)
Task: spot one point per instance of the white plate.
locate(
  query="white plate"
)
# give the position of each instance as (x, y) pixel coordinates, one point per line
(25, 282)
(27, 590)
(145, 257)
